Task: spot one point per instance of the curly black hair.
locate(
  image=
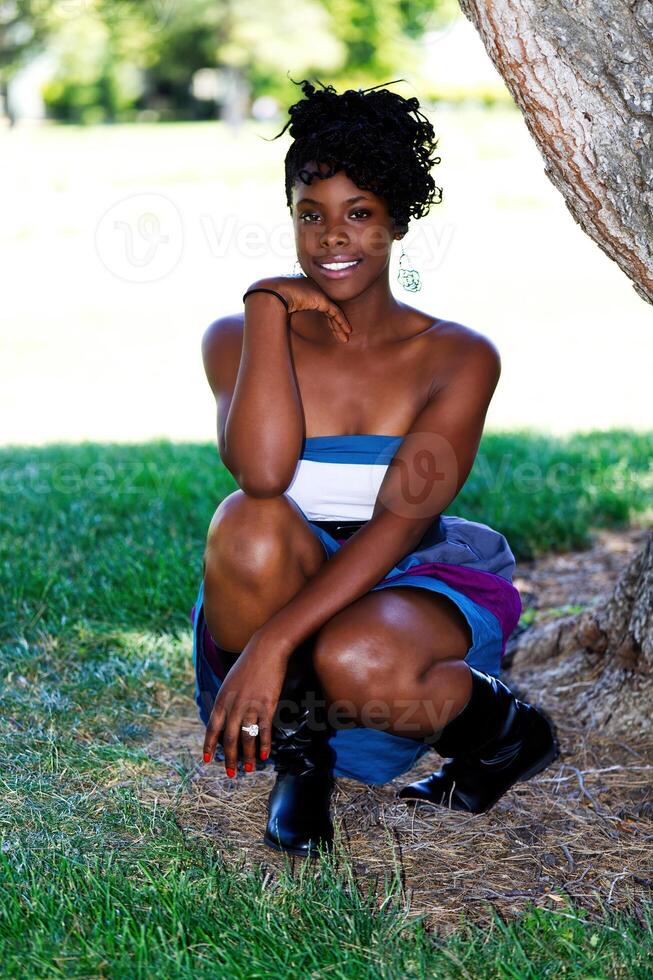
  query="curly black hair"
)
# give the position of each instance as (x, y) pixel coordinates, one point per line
(372, 135)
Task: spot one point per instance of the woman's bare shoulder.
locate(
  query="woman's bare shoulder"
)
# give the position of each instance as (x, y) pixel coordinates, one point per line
(222, 343)
(458, 332)
(223, 331)
(458, 349)
(462, 338)
(428, 326)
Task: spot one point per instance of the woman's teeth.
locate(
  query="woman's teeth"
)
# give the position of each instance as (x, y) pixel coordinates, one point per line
(336, 266)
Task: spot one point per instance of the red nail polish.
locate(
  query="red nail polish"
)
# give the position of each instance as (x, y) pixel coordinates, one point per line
(231, 773)
(264, 755)
(207, 756)
(249, 767)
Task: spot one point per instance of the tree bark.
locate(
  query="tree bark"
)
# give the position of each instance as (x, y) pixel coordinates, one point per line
(581, 71)
(597, 667)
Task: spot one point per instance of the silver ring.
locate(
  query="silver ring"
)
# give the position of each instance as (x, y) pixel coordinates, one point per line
(250, 729)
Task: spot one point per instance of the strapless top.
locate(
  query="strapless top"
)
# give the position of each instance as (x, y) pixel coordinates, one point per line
(338, 477)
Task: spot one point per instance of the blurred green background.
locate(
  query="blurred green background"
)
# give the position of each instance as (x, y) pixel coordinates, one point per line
(122, 61)
(141, 196)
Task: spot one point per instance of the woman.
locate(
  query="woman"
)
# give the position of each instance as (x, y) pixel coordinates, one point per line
(344, 625)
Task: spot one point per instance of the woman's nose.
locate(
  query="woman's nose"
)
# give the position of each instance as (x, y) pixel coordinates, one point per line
(334, 236)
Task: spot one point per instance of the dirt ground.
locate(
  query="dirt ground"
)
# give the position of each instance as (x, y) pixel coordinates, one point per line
(582, 829)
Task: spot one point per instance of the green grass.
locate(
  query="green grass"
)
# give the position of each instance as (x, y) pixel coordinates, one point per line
(113, 534)
(546, 493)
(180, 911)
(100, 561)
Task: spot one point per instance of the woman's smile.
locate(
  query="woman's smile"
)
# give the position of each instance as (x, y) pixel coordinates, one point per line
(337, 268)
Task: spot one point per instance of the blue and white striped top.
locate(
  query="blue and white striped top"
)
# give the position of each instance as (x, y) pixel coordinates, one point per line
(338, 477)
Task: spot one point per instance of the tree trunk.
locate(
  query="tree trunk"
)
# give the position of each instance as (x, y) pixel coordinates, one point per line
(596, 667)
(581, 71)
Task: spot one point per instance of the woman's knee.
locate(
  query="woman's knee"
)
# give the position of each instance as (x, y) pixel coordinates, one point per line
(354, 663)
(248, 536)
(241, 531)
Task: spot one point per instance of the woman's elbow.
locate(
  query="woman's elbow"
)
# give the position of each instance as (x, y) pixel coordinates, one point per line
(256, 486)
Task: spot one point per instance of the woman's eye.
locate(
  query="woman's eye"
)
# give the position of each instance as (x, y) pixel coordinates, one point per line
(314, 214)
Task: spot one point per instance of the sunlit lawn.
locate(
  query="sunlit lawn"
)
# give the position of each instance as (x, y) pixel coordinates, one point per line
(100, 559)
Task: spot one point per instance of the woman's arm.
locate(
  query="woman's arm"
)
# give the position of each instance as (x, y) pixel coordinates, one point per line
(260, 416)
(260, 422)
(425, 475)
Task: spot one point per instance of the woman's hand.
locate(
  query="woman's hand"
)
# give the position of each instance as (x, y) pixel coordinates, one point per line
(248, 695)
(303, 293)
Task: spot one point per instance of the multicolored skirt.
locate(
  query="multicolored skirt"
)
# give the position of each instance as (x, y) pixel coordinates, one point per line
(468, 561)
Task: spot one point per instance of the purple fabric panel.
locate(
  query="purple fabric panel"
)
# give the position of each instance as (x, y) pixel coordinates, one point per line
(219, 660)
(492, 591)
(212, 654)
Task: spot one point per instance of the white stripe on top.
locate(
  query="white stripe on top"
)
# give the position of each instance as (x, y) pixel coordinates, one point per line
(338, 477)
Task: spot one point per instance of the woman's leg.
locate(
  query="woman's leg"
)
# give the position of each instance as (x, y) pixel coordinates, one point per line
(259, 553)
(393, 660)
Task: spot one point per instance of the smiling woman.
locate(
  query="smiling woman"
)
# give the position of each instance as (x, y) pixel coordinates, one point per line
(386, 167)
(343, 620)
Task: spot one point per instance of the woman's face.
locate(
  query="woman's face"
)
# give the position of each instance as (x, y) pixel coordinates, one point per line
(336, 222)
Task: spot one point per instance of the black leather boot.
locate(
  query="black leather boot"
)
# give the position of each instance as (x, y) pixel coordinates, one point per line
(299, 819)
(495, 741)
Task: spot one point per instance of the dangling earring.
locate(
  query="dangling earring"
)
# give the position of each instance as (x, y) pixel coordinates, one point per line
(408, 277)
